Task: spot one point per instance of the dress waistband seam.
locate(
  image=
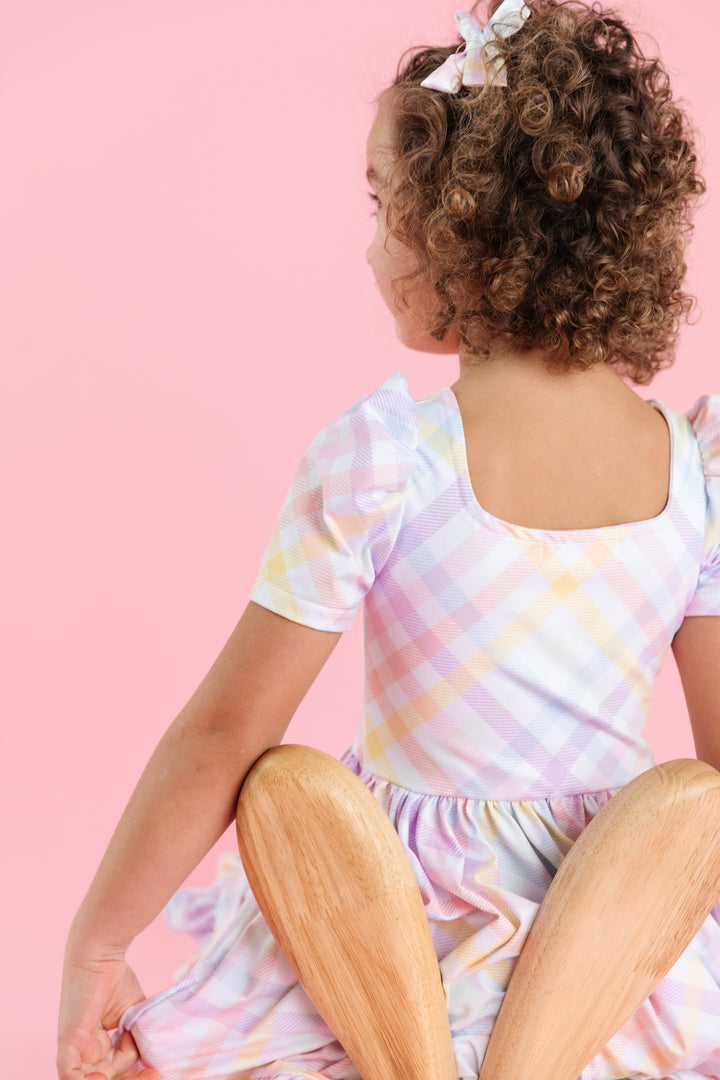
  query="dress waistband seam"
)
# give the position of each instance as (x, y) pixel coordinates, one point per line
(482, 798)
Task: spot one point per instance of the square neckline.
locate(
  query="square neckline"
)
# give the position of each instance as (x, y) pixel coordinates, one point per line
(449, 398)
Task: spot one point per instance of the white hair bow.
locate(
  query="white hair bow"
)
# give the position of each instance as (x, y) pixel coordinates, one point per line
(473, 66)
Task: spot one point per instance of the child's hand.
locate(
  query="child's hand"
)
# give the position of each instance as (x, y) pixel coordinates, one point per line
(95, 994)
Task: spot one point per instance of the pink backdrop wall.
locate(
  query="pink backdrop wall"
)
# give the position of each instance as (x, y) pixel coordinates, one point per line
(183, 302)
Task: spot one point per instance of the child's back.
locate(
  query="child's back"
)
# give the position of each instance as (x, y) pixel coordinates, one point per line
(562, 451)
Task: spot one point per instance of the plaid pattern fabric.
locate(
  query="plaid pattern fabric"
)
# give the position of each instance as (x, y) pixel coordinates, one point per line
(508, 676)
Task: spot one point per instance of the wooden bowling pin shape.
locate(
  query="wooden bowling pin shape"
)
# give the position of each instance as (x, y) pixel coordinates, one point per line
(334, 884)
(626, 901)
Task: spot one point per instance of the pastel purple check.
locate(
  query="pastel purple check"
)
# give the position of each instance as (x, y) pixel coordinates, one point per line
(508, 677)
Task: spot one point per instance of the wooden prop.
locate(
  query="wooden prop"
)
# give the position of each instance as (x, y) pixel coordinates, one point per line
(627, 900)
(335, 886)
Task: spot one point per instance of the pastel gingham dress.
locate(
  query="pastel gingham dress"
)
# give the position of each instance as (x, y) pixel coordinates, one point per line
(508, 676)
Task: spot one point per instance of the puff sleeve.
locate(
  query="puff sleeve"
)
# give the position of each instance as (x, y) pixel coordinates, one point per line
(705, 419)
(342, 513)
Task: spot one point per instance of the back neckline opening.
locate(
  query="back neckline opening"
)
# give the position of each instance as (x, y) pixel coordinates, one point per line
(451, 401)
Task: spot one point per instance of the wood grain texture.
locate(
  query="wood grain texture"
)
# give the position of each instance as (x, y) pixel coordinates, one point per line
(334, 884)
(626, 901)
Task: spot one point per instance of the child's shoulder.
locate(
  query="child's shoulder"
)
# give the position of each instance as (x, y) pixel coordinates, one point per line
(388, 423)
(369, 450)
(387, 411)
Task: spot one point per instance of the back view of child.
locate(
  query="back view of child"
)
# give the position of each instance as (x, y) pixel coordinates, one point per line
(528, 544)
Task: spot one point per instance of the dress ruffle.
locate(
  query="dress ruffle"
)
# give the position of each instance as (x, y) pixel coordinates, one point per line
(483, 868)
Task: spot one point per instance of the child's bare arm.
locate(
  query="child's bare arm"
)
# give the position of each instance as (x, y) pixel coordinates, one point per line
(186, 796)
(184, 801)
(696, 647)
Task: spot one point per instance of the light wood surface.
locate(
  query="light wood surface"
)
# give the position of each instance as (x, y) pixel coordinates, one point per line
(336, 888)
(627, 900)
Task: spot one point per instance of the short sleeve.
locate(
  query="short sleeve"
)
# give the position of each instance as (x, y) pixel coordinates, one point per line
(343, 512)
(705, 419)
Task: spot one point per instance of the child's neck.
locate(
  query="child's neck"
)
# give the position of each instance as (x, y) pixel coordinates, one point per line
(527, 373)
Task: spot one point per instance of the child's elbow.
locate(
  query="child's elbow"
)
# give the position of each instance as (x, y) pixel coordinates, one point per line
(696, 647)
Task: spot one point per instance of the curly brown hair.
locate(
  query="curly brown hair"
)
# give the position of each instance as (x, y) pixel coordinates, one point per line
(552, 213)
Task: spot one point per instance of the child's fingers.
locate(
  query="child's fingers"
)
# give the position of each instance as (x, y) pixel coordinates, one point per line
(126, 1056)
(120, 1063)
(69, 1065)
(107, 1071)
(74, 1053)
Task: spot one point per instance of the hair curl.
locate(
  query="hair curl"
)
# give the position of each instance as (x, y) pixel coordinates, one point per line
(552, 213)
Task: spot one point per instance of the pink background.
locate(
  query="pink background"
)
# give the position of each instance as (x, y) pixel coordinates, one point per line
(184, 302)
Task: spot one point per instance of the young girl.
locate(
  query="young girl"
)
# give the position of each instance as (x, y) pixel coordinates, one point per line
(528, 544)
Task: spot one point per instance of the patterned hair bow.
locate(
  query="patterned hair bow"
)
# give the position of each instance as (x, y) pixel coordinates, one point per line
(473, 65)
